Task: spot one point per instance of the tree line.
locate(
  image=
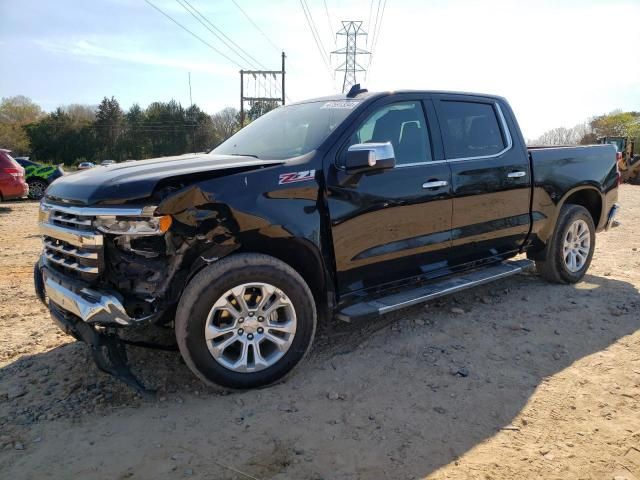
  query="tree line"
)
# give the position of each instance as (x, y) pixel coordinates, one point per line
(75, 133)
(614, 124)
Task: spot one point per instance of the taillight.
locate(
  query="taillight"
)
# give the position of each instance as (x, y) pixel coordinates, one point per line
(14, 172)
(618, 156)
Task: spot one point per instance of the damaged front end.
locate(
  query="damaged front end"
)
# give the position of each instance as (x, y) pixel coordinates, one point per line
(106, 268)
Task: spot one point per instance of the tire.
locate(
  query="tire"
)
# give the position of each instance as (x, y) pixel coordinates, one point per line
(37, 188)
(557, 267)
(207, 303)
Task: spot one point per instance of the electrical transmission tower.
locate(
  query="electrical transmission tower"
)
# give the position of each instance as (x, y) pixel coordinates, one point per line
(351, 30)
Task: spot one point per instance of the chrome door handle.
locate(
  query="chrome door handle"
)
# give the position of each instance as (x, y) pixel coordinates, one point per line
(516, 174)
(435, 184)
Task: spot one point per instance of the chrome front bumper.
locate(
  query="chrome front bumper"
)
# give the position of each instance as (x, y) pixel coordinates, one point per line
(91, 306)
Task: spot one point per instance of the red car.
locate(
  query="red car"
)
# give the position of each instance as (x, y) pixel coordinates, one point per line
(12, 182)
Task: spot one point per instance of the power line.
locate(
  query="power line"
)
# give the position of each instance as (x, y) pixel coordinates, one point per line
(315, 35)
(375, 40)
(193, 34)
(219, 34)
(370, 12)
(255, 25)
(326, 9)
(375, 26)
(377, 35)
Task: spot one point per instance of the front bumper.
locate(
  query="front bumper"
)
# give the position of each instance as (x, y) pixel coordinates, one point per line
(88, 305)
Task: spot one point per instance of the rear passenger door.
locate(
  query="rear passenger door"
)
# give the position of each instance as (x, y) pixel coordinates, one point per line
(490, 178)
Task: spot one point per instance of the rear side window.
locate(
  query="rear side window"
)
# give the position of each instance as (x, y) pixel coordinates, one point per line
(404, 125)
(470, 129)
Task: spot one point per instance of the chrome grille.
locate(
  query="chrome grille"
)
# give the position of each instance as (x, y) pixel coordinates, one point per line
(80, 222)
(70, 243)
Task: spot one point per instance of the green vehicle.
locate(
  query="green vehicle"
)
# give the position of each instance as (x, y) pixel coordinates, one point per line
(39, 176)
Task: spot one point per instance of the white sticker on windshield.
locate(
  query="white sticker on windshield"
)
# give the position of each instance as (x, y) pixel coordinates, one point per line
(348, 105)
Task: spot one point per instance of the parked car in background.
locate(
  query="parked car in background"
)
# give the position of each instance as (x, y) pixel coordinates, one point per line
(86, 165)
(12, 182)
(107, 162)
(39, 176)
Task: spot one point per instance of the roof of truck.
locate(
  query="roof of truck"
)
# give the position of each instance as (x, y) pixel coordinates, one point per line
(367, 95)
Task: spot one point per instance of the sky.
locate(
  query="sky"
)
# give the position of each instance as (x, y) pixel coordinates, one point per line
(557, 62)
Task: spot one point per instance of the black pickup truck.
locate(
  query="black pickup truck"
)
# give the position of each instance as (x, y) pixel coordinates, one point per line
(347, 206)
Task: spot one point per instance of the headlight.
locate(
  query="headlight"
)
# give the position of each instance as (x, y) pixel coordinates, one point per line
(133, 226)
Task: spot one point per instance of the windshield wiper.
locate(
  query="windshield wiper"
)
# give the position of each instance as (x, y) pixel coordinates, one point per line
(244, 155)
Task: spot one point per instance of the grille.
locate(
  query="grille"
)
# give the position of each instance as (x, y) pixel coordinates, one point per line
(70, 243)
(65, 255)
(69, 220)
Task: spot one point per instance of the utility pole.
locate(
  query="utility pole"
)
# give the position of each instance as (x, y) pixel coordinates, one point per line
(260, 93)
(351, 30)
(193, 128)
(283, 57)
(241, 98)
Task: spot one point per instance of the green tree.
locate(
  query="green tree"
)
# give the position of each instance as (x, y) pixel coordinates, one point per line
(135, 142)
(109, 125)
(166, 128)
(224, 123)
(15, 113)
(616, 124)
(57, 139)
(261, 107)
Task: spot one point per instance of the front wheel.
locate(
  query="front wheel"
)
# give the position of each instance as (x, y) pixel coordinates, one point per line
(245, 321)
(571, 246)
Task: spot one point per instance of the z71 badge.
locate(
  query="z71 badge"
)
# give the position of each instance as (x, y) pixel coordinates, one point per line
(293, 177)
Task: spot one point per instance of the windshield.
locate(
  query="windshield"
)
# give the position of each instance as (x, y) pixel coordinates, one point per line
(288, 131)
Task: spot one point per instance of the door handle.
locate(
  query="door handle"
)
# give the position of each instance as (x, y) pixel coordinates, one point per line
(516, 174)
(435, 184)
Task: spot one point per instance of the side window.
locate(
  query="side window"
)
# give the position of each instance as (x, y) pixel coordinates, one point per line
(403, 124)
(470, 129)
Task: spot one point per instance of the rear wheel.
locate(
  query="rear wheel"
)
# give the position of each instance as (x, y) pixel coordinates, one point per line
(36, 189)
(570, 249)
(245, 321)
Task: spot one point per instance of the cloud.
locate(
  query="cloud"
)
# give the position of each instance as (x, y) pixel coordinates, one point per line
(92, 52)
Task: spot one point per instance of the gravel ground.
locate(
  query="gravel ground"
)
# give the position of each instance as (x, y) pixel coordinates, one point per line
(518, 379)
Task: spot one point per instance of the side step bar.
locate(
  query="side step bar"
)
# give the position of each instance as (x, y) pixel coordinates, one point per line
(450, 284)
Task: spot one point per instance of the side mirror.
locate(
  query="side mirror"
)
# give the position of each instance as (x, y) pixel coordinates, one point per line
(363, 157)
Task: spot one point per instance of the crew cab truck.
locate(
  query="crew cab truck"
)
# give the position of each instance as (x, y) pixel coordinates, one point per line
(348, 206)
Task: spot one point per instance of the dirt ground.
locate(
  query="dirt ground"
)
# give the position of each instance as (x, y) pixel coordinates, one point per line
(518, 379)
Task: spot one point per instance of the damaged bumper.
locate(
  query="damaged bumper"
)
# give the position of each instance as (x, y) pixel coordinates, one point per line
(89, 305)
(87, 315)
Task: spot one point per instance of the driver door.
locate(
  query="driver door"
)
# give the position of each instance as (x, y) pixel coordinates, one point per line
(394, 224)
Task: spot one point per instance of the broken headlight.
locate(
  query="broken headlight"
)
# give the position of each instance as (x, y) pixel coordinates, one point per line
(133, 226)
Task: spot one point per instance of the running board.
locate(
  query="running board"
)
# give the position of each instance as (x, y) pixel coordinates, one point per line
(450, 284)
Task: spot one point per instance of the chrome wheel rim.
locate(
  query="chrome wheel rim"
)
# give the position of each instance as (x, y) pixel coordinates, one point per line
(36, 190)
(250, 327)
(577, 244)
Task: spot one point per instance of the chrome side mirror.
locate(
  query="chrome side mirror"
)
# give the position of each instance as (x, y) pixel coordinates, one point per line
(369, 156)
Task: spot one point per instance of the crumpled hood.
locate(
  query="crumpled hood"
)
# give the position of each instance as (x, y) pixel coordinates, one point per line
(123, 182)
